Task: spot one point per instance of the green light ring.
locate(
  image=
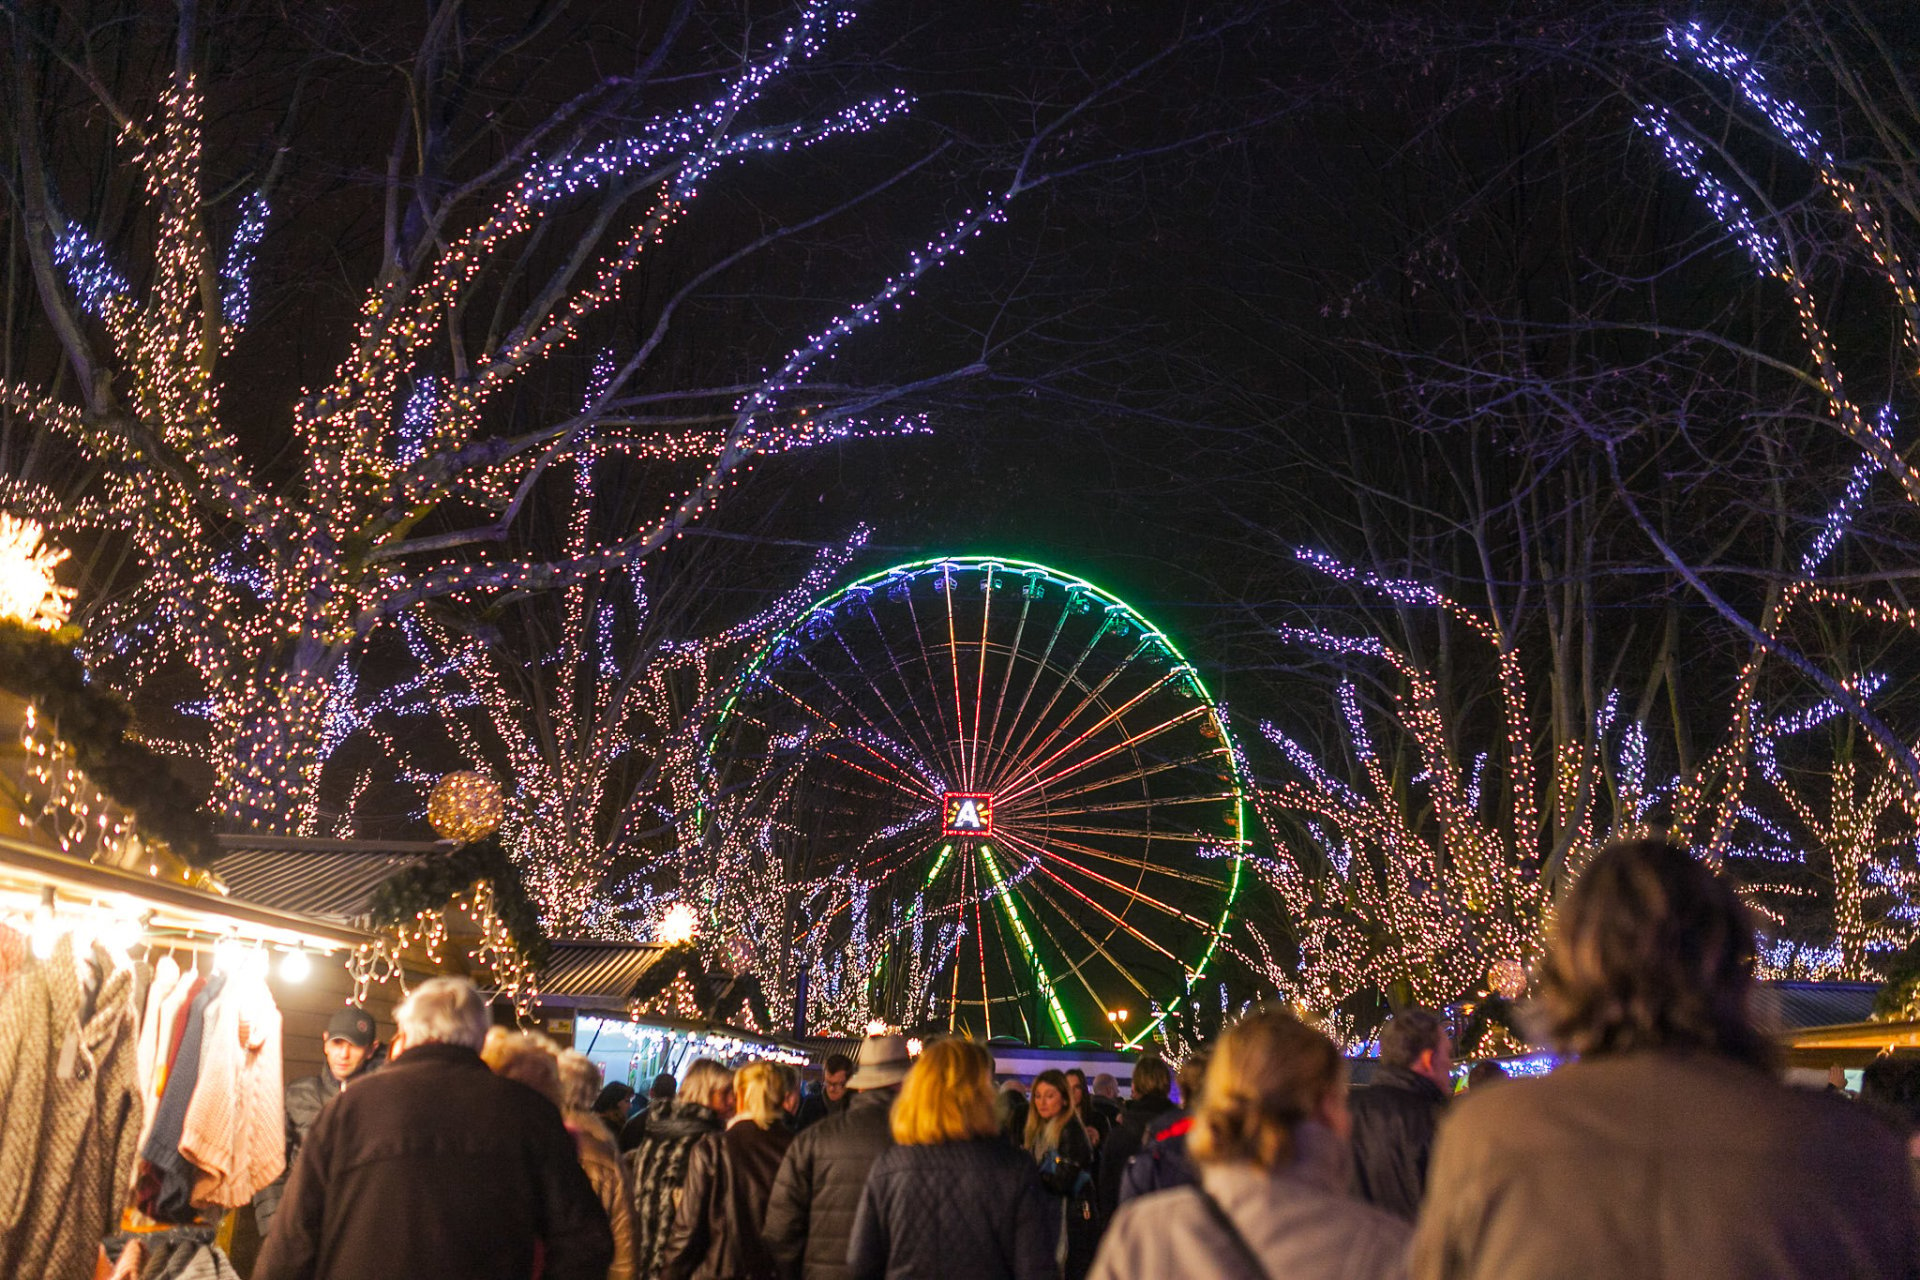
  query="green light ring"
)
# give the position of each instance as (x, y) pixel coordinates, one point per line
(825, 605)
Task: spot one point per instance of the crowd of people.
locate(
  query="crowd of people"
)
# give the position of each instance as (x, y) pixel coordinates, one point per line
(1666, 1145)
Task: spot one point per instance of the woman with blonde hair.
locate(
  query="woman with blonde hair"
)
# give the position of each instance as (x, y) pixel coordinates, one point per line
(1270, 1137)
(1062, 1149)
(526, 1058)
(951, 1198)
(657, 1166)
(716, 1234)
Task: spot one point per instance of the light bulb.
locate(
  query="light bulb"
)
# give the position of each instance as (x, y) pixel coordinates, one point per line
(295, 966)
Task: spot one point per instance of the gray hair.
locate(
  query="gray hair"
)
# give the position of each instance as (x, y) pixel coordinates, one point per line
(444, 1011)
(579, 1080)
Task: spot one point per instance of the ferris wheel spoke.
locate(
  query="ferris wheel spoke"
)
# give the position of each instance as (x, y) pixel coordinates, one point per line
(853, 704)
(930, 740)
(980, 679)
(1041, 665)
(1052, 841)
(1095, 695)
(1126, 776)
(1010, 905)
(951, 737)
(964, 747)
(1033, 783)
(1097, 944)
(1132, 895)
(1050, 810)
(913, 780)
(1013, 659)
(1068, 679)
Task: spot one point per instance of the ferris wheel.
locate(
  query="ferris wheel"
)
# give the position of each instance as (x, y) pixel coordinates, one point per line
(1000, 788)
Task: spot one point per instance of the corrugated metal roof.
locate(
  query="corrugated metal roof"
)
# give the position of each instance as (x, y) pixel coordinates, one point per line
(1817, 1004)
(608, 971)
(330, 879)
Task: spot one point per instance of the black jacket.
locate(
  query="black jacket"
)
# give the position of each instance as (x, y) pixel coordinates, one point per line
(657, 1170)
(435, 1167)
(1394, 1118)
(810, 1217)
(1163, 1162)
(304, 1099)
(1124, 1141)
(716, 1234)
(973, 1209)
(1070, 1177)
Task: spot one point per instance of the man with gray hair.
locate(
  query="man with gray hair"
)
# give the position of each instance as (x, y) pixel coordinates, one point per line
(436, 1167)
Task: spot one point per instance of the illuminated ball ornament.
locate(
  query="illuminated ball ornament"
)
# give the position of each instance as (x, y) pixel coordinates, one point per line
(1508, 979)
(466, 806)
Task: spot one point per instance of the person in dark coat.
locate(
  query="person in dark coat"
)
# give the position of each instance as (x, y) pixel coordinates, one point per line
(833, 1096)
(348, 1045)
(717, 1232)
(815, 1195)
(951, 1198)
(1091, 1118)
(436, 1168)
(1162, 1162)
(1396, 1115)
(657, 1168)
(1668, 1148)
(655, 1105)
(1062, 1151)
(1152, 1098)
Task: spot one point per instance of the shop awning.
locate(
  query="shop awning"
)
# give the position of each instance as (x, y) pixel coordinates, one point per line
(581, 974)
(329, 879)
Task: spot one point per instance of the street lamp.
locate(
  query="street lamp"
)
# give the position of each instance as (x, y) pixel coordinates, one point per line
(1117, 1019)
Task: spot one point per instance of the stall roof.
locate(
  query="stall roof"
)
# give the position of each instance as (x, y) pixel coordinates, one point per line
(328, 879)
(596, 973)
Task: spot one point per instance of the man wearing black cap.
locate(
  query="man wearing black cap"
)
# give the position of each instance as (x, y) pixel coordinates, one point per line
(349, 1046)
(817, 1191)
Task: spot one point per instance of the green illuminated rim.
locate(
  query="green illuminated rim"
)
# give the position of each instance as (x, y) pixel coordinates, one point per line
(1180, 677)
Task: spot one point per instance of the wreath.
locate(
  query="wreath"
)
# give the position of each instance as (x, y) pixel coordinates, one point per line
(41, 667)
(431, 884)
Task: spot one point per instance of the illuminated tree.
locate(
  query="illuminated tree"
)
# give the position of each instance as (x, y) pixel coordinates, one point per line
(410, 472)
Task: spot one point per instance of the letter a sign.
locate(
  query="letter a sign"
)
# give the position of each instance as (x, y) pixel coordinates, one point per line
(968, 813)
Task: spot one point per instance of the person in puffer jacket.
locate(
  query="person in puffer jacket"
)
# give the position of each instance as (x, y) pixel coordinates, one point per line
(657, 1168)
(818, 1188)
(952, 1198)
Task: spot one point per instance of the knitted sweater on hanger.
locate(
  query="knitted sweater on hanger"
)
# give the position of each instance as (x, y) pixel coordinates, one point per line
(235, 1126)
(84, 1132)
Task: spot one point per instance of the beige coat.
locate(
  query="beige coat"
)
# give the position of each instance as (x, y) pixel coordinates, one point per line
(1653, 1167)
(1300, 1222)
(601, 1160)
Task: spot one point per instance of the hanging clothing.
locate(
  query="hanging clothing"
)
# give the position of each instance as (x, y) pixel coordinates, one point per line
(72, 1118)
(165, 1191)
(234, 1129)
(148, 1060)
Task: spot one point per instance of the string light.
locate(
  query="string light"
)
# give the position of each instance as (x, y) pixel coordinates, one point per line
(326, 559)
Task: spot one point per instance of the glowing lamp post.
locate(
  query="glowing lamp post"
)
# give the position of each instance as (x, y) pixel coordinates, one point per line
(678, 926)
(28, 593)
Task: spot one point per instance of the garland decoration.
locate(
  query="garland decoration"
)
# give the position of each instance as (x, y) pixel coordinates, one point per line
(429, 885)
(41, 667)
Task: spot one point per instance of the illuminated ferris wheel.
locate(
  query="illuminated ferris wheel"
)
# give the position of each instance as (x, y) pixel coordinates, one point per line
(1001, 788)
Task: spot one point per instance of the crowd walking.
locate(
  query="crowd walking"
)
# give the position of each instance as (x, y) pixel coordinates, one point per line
(1665, 1146)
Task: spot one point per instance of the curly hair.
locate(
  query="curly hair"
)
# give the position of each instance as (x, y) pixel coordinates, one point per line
(1651, 950)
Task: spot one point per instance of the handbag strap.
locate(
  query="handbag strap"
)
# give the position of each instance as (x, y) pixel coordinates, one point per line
(1248, 1258)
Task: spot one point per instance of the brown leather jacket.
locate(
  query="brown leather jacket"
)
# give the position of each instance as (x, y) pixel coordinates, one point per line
(717, 1233)
(1657, 1167)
